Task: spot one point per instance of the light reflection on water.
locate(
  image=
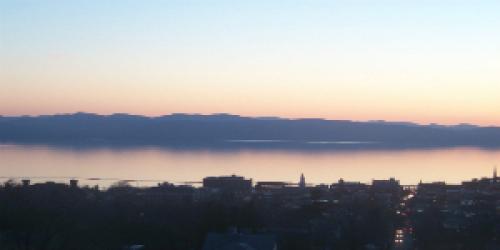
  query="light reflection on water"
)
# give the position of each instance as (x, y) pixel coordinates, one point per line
(154, 164)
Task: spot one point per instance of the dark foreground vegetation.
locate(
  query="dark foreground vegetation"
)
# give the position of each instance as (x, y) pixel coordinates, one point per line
(344, 215)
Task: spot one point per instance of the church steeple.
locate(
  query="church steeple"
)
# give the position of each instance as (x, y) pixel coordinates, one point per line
(302, 182)
(495, 174)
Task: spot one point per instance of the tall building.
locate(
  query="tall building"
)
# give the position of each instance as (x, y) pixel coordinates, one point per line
(495, 174)
(302, 182)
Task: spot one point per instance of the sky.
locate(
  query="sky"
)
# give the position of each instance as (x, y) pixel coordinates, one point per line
(421, 61)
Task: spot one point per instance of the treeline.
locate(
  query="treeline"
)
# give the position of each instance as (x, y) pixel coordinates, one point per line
(56, 216)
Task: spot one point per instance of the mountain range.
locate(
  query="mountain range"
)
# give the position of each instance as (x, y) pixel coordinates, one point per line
(227, 130)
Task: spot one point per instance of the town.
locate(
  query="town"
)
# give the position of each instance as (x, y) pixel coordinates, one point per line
(233, 212)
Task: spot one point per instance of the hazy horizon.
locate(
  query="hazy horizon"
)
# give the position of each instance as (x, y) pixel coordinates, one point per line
(418, 61)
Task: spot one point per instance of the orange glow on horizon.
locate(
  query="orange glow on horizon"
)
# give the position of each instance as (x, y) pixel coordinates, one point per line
(322, 60)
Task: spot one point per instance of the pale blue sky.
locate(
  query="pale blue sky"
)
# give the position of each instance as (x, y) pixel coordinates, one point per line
(425, 61)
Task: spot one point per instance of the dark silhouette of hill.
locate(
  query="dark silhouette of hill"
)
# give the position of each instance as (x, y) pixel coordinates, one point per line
(234, 131)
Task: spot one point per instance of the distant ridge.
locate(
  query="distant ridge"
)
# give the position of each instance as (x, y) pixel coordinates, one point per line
(228, 129)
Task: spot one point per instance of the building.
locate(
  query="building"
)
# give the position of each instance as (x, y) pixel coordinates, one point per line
(73, 183)
(302, 182)
(347, 186)
(495, 178)
(26, 182)
(391, 185)
(228, 183)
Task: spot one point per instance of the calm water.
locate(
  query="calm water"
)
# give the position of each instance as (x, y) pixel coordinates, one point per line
(159, 164)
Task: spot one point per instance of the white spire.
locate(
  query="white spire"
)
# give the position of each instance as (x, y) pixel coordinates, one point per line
(302, 182)
(495, 173)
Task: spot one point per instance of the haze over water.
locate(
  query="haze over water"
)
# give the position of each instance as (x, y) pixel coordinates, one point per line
(452, 165)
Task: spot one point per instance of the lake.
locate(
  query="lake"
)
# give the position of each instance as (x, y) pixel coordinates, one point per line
(153, 164)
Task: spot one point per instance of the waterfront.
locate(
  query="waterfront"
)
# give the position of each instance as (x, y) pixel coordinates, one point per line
(156, 164)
